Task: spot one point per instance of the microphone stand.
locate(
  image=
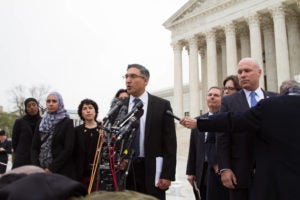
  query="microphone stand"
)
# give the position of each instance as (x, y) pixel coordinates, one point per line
(127, 168)
(113, 147)
(96, 159)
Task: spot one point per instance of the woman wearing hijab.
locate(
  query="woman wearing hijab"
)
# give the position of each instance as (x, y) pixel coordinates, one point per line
(53, 141)
(23, 132)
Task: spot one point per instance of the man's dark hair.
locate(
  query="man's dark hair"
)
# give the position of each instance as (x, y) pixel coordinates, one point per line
(87, 102)
(144, 71)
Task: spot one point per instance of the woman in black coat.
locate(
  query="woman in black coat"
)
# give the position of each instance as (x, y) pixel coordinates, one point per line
(23, 132)
(87, 136)
(54, 138)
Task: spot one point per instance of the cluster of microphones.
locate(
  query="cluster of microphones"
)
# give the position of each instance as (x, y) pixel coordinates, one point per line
(120, 121)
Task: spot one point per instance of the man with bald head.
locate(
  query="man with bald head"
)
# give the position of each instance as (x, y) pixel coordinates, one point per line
(235, 153)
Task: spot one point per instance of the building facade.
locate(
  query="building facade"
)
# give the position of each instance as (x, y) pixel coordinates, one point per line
(75, 117)
(218, 33)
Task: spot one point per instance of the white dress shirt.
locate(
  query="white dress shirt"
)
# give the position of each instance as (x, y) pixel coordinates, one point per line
(259, 95)
(144, 99)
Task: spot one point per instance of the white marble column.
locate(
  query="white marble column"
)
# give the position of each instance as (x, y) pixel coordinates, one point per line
(270, 57)
(293, 44)
(194, 77)
(282, 55)
(211, 59)
(255, 44)
(178, 83)
(219, 65)
(231, 50)
(224, 68)
(245, 43)
(204, 79)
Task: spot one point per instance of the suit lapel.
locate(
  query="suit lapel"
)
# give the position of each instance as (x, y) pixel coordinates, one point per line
(266, 94)
(126, 102)
(243, 100)
(201, 135)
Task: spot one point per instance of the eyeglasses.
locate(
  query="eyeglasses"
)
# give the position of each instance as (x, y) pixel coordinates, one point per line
(132, 76)
(229, 88)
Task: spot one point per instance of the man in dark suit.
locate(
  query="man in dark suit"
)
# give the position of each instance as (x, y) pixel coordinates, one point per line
(235, 153)
(276, 124)
(196, 169)
(156, 153)
(202, 164)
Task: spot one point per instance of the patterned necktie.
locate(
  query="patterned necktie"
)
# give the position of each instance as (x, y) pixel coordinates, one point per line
(136, 143)
(253, 101)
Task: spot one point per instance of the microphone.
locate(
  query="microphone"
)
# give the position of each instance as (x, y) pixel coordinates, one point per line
(169, 113)
(133, 112)
(132, 123)
(116, 104)
(122, 113)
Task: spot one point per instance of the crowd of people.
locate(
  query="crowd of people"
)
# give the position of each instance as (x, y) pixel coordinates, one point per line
(55, 146)
(232, 156)
(252, 152)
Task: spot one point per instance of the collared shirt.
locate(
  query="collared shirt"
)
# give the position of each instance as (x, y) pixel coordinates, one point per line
(259, 95)
(144, 99)
(209, 114)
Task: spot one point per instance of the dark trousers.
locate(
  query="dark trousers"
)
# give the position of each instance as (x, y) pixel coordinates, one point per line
(203, 183)
(215, 188)
(136, 180)
(3, 165)
(239, 194)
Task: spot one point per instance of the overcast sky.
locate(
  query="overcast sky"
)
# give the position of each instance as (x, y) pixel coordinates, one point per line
(81, 48)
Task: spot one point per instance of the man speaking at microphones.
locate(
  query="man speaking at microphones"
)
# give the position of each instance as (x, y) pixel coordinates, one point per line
(154, 160)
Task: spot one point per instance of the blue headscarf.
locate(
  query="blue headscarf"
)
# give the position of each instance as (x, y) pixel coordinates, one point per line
(50, 120)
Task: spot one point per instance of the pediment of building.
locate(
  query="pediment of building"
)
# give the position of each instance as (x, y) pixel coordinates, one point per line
(198, 17)
(195, 7)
